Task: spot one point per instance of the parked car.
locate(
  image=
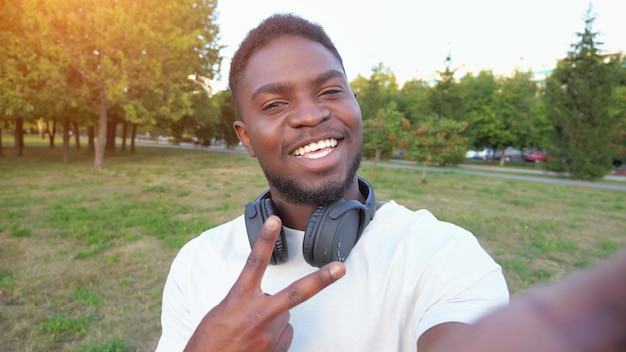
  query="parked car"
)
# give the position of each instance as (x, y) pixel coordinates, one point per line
(536, 156)
(470, 154)
(510, 154)
(483, 154)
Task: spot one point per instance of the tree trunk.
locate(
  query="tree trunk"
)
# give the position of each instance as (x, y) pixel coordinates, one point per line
(41, 124)
(2, 129)
(19, 136)
(377, 155)
(52, 130)
(76, 135)
(424, 172)
(1, 149)
(110, 142)
(124, 132)
(102, 136)
(133, 134)
(90, 137)
(66, 140)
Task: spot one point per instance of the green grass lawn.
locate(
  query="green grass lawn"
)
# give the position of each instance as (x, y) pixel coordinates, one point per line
(84, 255)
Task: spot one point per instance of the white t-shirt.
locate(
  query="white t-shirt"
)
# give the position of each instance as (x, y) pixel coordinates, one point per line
(408, 273)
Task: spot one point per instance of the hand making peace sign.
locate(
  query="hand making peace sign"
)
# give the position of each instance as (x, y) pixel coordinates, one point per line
(248, 319)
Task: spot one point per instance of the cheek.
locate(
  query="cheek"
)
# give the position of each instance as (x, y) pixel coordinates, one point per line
(354, 118)
(265, 141)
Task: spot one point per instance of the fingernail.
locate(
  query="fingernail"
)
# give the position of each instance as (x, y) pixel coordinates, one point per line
(337, 271)
(271, 223)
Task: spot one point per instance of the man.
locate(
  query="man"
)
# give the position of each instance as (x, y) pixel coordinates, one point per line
(390, 279)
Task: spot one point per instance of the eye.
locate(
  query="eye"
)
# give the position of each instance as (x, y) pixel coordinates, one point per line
(272, 106)
(332, 92)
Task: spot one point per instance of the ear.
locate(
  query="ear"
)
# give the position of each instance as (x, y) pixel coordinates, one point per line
(242, 133)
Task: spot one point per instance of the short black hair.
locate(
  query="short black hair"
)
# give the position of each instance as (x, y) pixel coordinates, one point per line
(272, 28)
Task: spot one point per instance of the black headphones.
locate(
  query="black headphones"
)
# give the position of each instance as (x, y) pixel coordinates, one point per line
(330, 234)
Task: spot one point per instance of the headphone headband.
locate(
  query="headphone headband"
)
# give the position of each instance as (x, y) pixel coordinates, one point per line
(331, 231)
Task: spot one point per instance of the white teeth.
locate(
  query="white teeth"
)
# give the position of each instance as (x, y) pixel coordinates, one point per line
(326, 143)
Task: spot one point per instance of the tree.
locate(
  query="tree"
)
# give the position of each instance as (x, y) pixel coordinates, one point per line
(19, 76)
(376, 92)
(200, 123)
(618, 109)
(445, 99)
(436, 140)
(383, 133)
(413, 100)
(227, 116)
(577, 98)
(480, 111)
(517, 111)
(123, 51)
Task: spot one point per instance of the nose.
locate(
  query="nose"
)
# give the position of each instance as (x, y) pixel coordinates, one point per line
(309, 112)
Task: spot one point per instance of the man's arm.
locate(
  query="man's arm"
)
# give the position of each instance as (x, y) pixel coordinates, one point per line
(431, 337)
(585, 312)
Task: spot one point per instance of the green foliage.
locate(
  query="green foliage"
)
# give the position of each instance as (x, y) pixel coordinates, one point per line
(504, 112)
(577, 99)
(19, 231)
(480, 110)
(413, 100)
(93, 226)
(228, 115)
(7, 278)
(617, 111)
(384, 132)
(111, 345)
(445, 99)
(86, 297)
(63, 328)
(438, 140)
(376, 92)
(131, 59)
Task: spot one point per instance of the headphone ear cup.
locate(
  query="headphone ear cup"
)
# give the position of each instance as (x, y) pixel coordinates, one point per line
(279, 255)
(255, 215)
(310, 235)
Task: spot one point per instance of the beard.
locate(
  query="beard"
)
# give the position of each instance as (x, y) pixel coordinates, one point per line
(326, 194)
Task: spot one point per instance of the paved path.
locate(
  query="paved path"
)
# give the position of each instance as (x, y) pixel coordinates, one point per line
(511, 173)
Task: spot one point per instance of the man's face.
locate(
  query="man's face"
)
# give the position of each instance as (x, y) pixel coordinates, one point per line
(301, 120)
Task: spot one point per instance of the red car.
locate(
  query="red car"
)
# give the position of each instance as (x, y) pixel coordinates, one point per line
(536, 156)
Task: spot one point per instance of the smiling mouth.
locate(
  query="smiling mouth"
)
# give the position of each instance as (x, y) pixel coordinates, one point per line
(317, 149)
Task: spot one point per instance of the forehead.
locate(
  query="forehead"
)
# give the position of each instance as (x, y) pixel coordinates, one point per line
(287, 60)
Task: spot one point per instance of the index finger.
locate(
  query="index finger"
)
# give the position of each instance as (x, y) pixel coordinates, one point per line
(259, 257)
(307, 287)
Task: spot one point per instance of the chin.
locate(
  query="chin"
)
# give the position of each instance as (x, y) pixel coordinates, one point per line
(322, 193)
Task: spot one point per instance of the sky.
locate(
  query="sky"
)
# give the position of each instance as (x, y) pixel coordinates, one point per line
(414, 37)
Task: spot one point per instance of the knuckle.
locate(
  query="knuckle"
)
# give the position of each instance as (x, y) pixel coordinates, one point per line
(324, 278)
(295, 297)
(254, 261)
(266, 235)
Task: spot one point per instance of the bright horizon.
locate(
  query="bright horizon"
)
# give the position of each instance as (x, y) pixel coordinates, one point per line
(413, 39)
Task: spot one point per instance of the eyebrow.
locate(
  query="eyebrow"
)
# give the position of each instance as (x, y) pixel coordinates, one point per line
(282, 86)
